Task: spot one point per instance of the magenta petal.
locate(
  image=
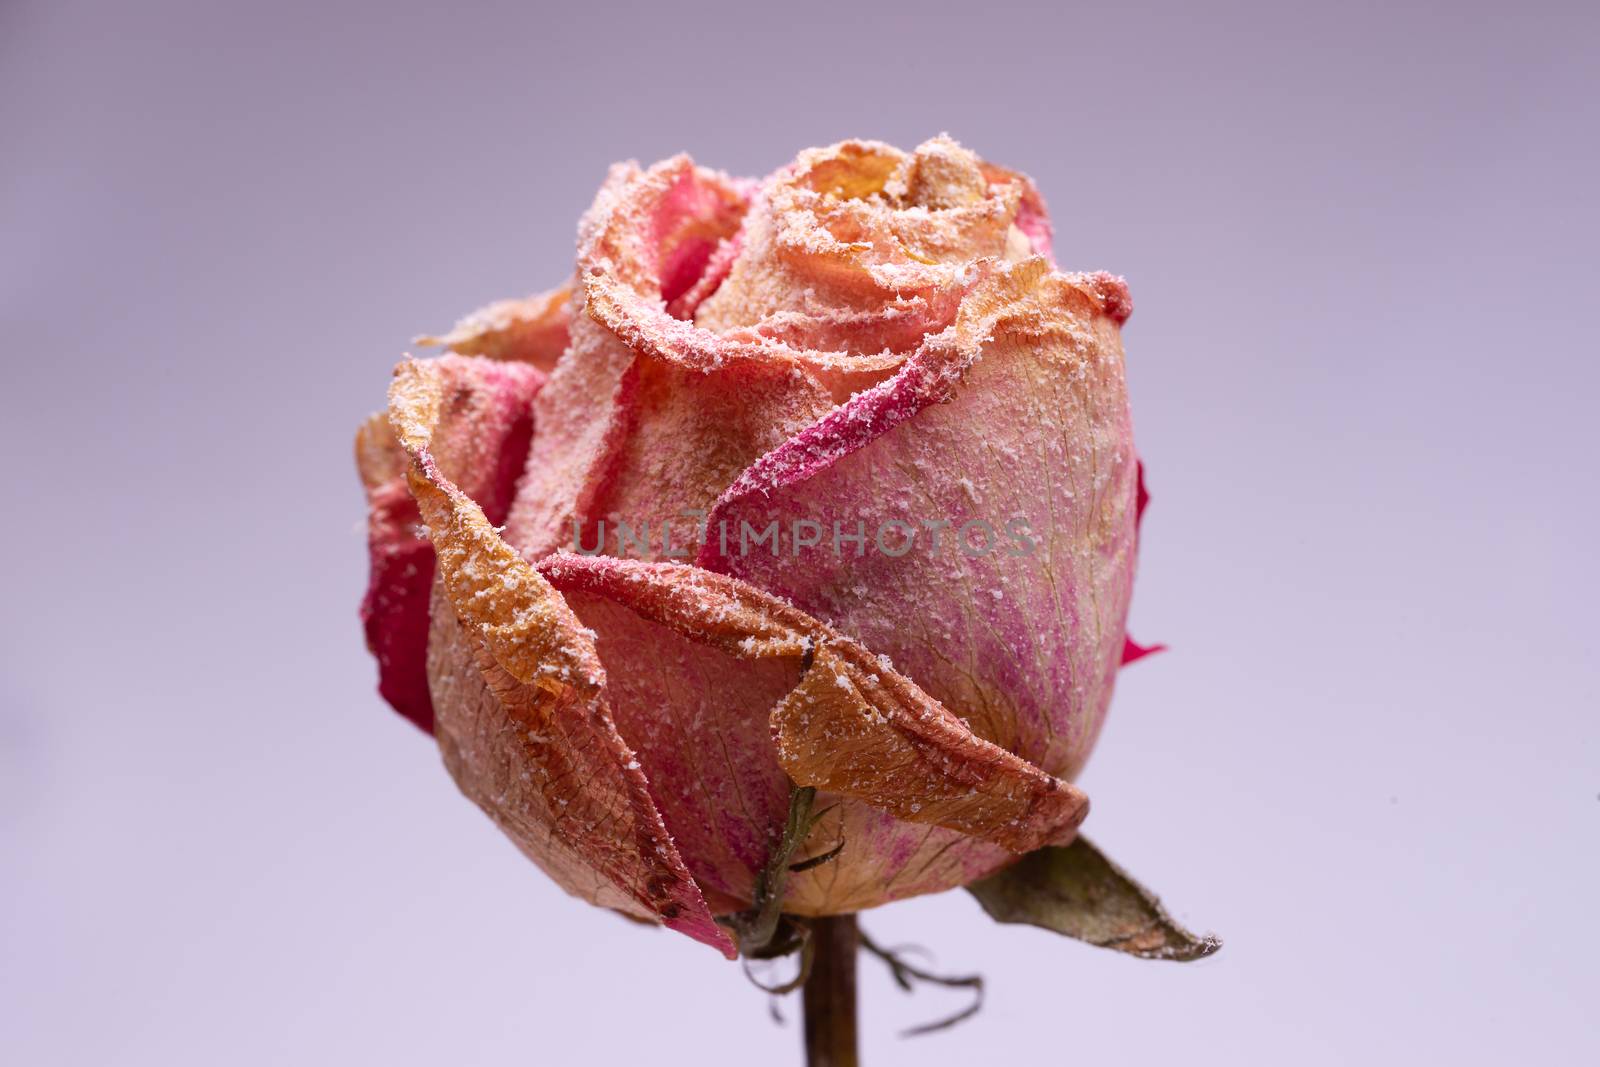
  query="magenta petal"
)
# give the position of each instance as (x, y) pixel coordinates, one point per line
(394, 611)
(1131, 649)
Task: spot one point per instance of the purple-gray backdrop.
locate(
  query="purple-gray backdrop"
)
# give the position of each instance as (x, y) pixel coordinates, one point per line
(1362, 245)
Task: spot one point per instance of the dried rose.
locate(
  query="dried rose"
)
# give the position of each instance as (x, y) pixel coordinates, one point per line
(867, 363)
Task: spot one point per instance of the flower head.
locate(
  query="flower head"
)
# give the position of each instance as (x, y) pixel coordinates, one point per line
(825, 482)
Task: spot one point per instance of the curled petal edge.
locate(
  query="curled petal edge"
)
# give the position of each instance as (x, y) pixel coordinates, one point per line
(483, 443)
(528, 330)
(650, 331)
(540, 663)
(927, 377)
(853, 725)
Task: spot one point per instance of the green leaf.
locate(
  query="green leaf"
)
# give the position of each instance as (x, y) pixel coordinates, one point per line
(1078, 892)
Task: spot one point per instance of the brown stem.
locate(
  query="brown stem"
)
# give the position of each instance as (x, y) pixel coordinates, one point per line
(830, 993)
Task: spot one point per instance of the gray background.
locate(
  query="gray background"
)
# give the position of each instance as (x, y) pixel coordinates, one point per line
(1362, 245)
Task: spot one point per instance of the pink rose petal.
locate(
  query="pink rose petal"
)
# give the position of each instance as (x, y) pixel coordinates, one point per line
(1035, 428)
(522, 716)
(481, 441)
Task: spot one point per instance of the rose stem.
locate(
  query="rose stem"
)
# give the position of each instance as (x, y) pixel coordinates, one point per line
(830, 993)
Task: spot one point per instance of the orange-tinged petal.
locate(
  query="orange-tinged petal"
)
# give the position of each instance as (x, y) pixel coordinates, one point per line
(863, 246)
(481, 442)
(530, 330)
(853, 725)
(522, 718)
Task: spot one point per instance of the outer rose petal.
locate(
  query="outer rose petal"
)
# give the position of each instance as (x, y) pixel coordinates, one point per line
(481, 442)
(1035, 428)
(854, 726)
(531, 330)
(697, 717)
(850, 725)
(522, 718)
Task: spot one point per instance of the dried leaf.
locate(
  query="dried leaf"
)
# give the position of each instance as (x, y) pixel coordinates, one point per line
(1078, 892)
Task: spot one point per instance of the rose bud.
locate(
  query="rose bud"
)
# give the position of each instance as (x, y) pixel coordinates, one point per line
(824, 482)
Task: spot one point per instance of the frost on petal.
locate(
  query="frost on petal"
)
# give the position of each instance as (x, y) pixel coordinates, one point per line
(711, 609)
(689, 434)
(481, 441)
(696, 716)
(718, 264)
(1005, 445)
(581, 424)
(856, 728)
(522, 717)
(637, 320)
(530, 330)
(1032, 220)
(862, 247)
(714, 318)
(850, 725)
(654, 231)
